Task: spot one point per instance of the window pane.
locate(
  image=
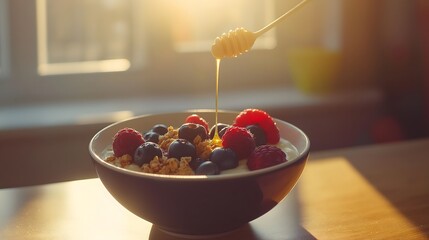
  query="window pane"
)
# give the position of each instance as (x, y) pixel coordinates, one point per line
(84, 35)
(198, 23)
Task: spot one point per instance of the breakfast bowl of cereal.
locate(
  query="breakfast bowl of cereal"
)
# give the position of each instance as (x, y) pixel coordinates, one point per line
(200, 172)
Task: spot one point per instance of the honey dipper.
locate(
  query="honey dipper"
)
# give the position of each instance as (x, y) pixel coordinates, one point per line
(240, 40)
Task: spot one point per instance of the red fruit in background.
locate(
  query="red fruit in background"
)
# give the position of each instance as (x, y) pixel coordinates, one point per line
(264, 120)
(387, 129)
(265, 156)
(194, 118)
(126, 141)
(240, 140)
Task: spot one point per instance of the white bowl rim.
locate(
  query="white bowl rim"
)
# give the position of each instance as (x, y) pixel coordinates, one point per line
(160, 177)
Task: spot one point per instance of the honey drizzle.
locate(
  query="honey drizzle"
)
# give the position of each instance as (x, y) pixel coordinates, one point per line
(217, 141)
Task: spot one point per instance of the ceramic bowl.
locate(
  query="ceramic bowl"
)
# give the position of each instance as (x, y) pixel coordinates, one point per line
(198, 205)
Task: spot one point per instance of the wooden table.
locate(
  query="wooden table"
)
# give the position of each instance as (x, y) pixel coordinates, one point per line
(373, 192)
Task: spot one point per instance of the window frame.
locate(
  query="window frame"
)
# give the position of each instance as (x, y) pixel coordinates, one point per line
(97, 66)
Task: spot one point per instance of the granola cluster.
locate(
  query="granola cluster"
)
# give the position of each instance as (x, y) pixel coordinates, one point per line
(168, 166)
(166, 139)
(204, 148)
(123, 161)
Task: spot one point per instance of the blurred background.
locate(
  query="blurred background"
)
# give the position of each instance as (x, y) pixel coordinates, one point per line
(348, 73)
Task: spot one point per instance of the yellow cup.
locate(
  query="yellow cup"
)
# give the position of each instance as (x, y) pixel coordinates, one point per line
(314, 70)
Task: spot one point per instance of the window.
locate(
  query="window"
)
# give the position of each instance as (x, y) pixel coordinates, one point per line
(97, 36)
(84, 36)
(196, 21)
(77, 50)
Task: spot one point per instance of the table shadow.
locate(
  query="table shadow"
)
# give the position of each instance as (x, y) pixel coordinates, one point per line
(246, 232)
(405, 186)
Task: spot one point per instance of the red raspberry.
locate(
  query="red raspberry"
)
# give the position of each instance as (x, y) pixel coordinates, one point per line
(264, 120)
(126, 141)
(240, 140)
(265, 156)
(194, 118)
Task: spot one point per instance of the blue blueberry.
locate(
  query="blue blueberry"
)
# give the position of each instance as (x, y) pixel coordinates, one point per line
(221, 127)
(181, 148)
(208, 168)
(189, 131)
(151, 137)
(146, 152)
(258, 134)
(161, 129)
(196, 162)
(225, 158)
